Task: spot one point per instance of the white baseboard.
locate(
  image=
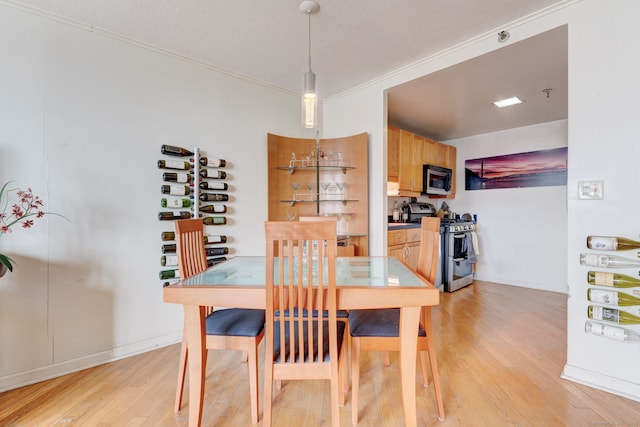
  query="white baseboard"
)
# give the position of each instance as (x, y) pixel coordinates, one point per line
(54, 370)
(602, 382)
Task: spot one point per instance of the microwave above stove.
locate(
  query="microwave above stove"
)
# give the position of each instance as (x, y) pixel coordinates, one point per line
(436, 180)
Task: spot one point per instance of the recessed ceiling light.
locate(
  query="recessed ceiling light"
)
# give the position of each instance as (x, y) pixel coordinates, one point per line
(506, 102)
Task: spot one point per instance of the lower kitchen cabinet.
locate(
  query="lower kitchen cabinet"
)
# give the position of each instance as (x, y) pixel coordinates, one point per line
(404, 244)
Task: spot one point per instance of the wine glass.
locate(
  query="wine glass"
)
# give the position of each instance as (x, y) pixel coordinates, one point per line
(291, 215)
(341, 186)
(346, 216)
(295, 186)
(325, 186)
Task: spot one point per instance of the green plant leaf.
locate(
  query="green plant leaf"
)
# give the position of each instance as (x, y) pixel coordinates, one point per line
(7, 262)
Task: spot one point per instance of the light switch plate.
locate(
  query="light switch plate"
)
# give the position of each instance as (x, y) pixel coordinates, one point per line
(590, 190)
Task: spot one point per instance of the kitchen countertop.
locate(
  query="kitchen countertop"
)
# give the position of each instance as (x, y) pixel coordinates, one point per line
(402, 225)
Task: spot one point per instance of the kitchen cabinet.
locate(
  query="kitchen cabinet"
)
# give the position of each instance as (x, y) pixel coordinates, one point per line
(408, 152)
(323, 177)
(410, 149)
(393, 142)
(404, 244)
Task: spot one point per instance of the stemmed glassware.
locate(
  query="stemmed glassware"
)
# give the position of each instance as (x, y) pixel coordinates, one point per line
(346, 216)
(291, 215)
(295, 186)
(341, 186)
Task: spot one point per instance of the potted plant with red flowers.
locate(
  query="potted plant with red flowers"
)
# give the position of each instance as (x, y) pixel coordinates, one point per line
(23, 211)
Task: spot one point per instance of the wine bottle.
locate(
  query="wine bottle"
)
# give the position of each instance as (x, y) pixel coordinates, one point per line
(173, 164)
(175, 203)
(181, 177)
(608, 261)
(168, 260)
(212, 239)
(214, 197)
(172, 150)
(175, 190)
(217, 251)
(213, 261)
(169, 249)
(169, 216)
(615, 280)
(608, 331)
(169, 274)
(613, 315)
(606, 243)
(168, 236)
(209, 185)
(611, 297)
(206, 173)
(214, 220)
(213, 208)
(212, 163)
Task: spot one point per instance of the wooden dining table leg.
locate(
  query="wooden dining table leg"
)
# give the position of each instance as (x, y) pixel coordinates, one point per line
(409, 319)
(195, 329)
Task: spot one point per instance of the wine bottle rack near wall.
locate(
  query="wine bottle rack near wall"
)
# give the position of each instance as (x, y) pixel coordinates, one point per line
(193, 185)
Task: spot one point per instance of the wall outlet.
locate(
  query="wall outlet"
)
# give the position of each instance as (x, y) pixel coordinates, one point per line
(590, 190)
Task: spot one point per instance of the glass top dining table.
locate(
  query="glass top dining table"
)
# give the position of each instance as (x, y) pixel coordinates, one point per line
(362, 282)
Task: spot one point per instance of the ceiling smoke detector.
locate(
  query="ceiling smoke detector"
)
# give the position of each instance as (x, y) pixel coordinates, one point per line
(503, 36)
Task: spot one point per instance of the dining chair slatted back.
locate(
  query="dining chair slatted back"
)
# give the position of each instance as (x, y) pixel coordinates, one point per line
(226, 329)
(379, 330)
(301, 277)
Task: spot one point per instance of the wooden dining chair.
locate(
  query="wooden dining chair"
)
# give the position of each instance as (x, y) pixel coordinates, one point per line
(341, 315)
(303, 337)
(379, 330)
(226, 329)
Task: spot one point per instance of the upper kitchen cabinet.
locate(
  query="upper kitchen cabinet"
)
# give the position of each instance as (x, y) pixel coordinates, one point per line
(328, 177)
(410, 149)
(393, 143)
(408, 152)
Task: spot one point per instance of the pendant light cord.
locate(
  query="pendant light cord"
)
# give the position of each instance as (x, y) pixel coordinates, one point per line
(309, 13)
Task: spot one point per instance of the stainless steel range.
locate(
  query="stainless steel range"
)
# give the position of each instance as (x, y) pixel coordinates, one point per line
(457, 254)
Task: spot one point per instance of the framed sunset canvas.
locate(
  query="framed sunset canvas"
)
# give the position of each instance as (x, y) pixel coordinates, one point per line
(531, 169)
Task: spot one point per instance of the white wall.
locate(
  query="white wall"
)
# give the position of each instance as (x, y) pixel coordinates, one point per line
(522, 232)
(82, 118)
(603, 135)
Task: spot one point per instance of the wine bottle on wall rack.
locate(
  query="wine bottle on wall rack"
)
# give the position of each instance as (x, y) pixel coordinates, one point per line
(600, 296)
(608, 331)
(214, 197)
(214, 220)
(608, 261)
(212, 185)
(213, 209)
(217, 251)
(207, 173)
(168, 260)
(613, 315)
(181, 177)
(213, 261)
(173, 164)
(175, 190)
(172, 150)
(169, 248)
(606, 243)
(168, 216)
(615, 280)
(212, 239)
(175, 203)
(166, 236)
(212, 163)
(169, 274)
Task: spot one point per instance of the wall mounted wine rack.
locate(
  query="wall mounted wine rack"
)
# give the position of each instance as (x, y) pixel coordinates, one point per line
(193, 186)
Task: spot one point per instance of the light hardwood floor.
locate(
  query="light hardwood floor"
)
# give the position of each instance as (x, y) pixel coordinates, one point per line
(501, 350)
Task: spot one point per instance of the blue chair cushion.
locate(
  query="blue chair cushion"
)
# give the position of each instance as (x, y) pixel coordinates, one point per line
(377, 323)
(325, 350)
(239, 322)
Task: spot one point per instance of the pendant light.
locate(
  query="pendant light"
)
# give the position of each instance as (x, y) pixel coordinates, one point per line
(309, 95)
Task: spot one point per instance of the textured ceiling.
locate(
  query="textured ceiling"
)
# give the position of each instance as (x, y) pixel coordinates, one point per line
(352, 41)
